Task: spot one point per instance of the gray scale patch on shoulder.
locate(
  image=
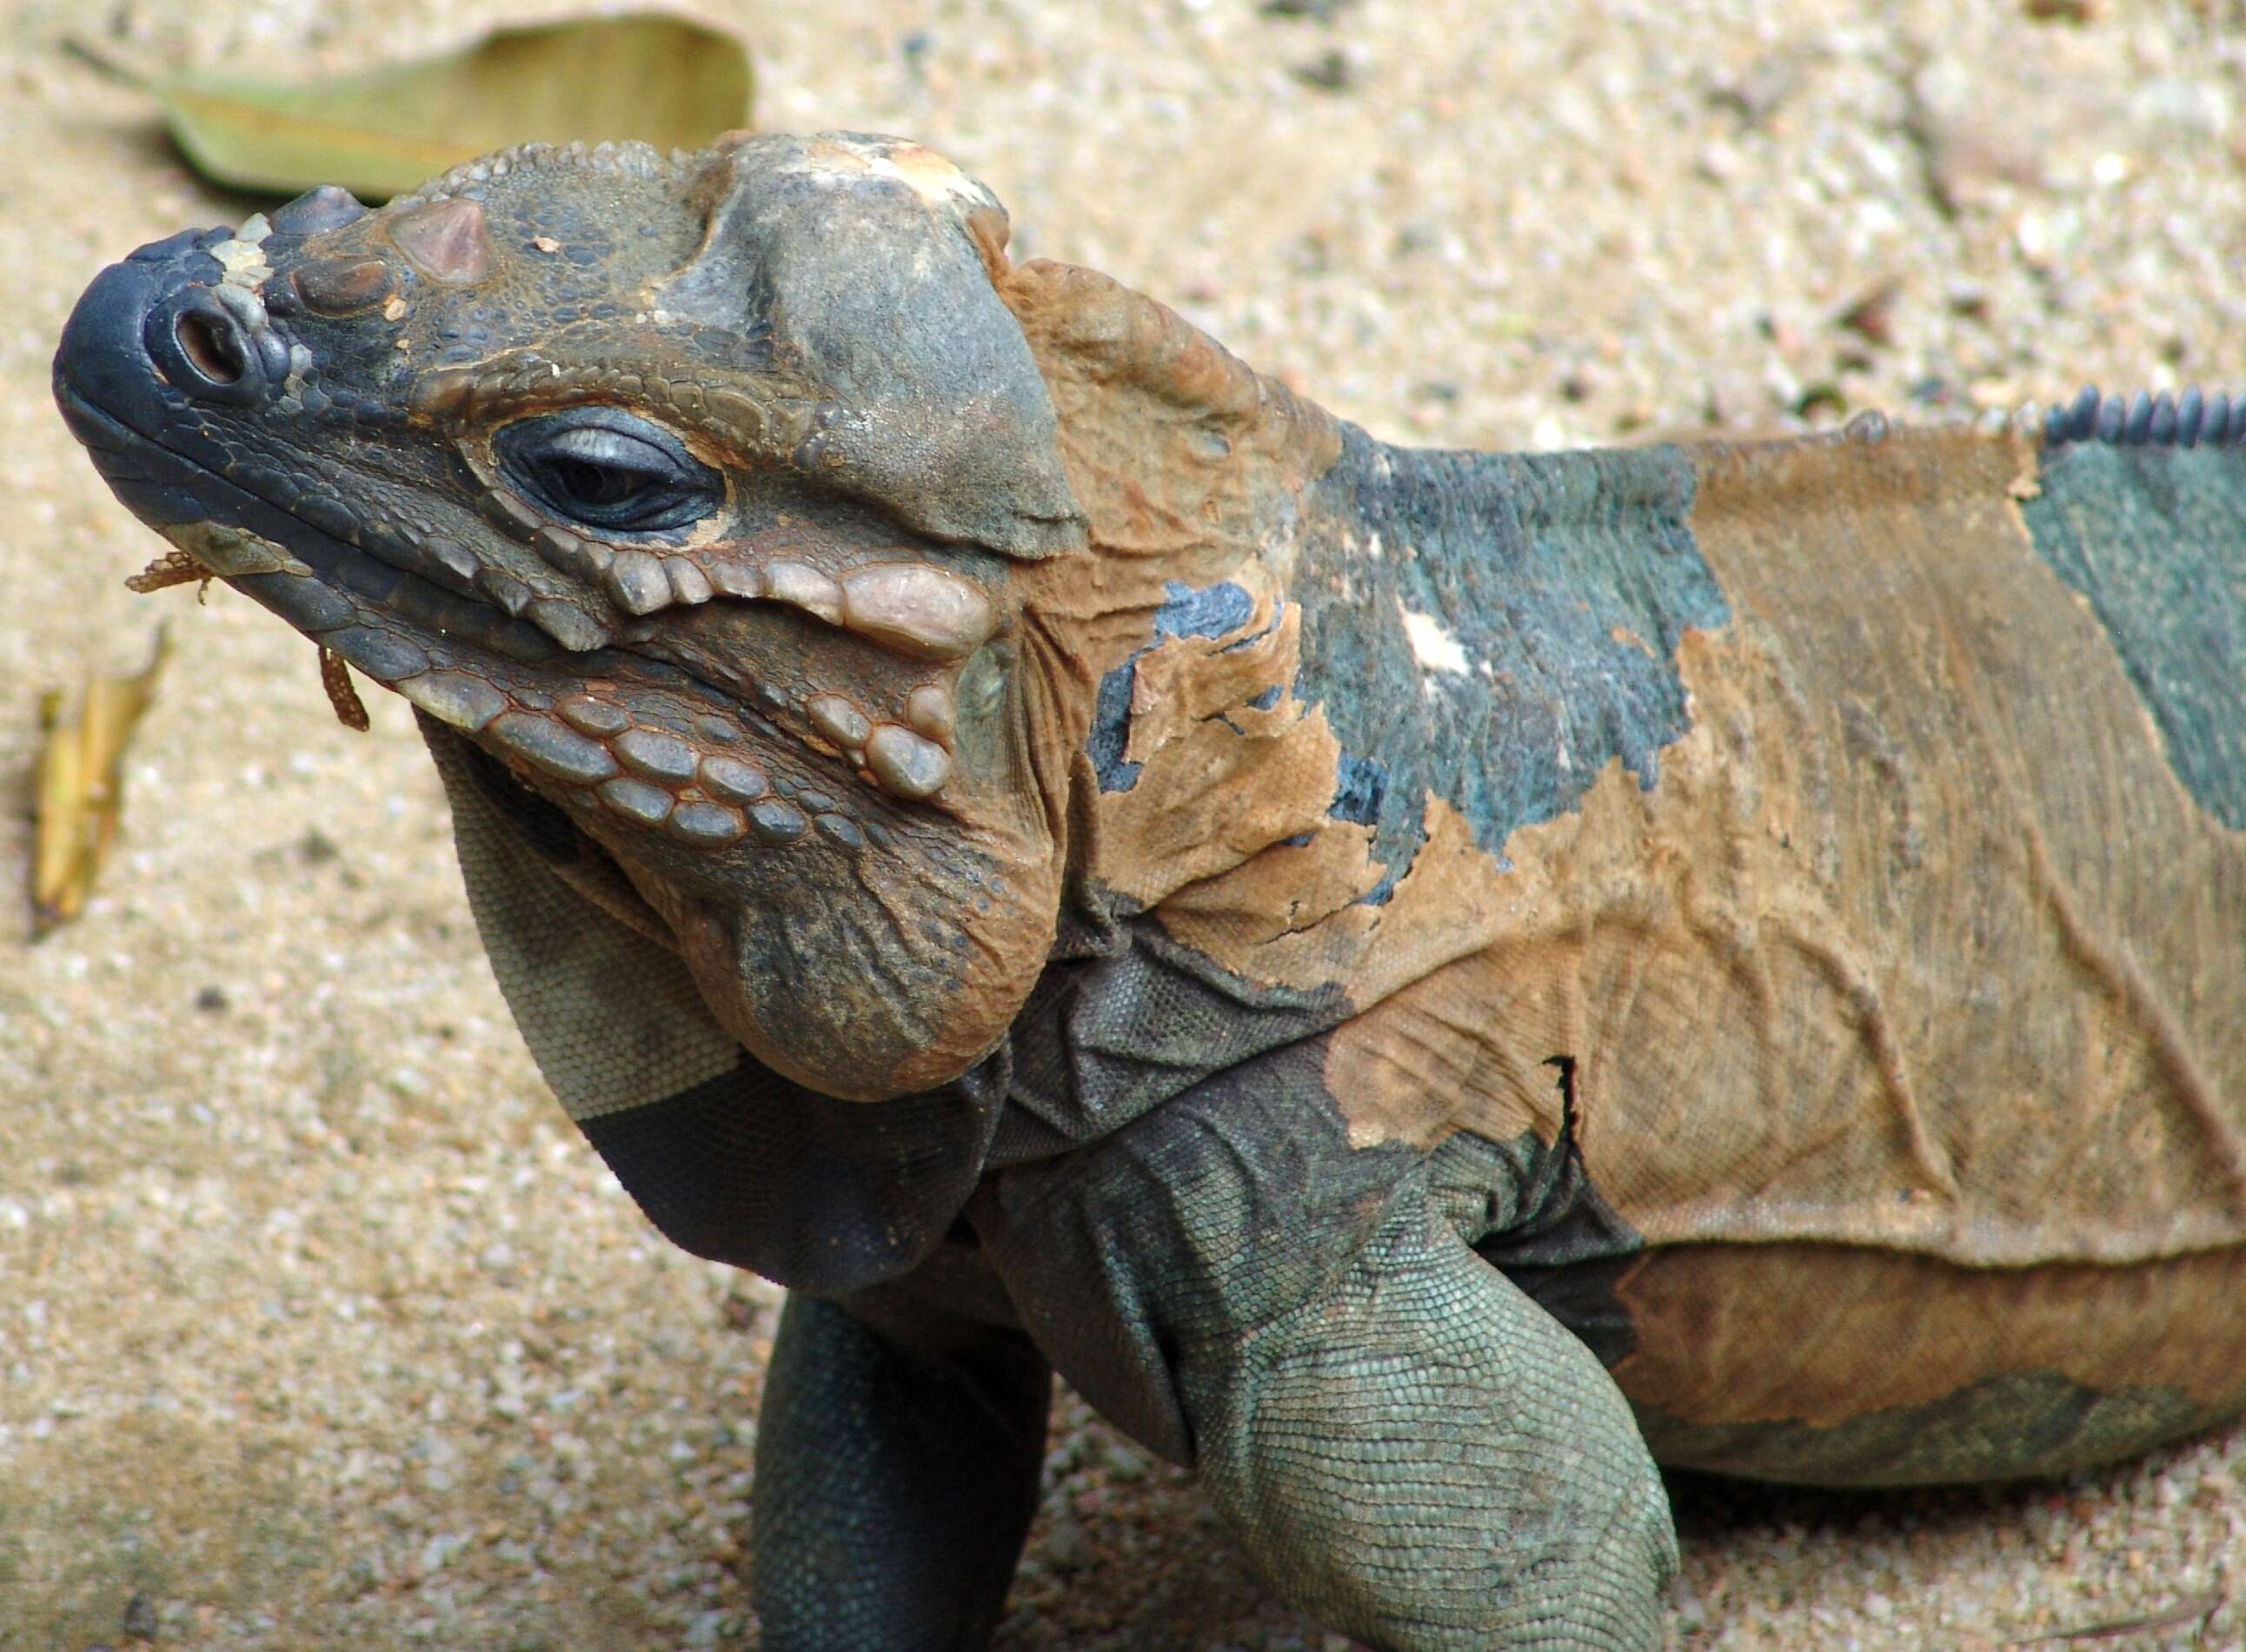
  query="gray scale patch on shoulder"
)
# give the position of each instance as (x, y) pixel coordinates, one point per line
(2154, 537)
(1126, 1019)
(1498, 627)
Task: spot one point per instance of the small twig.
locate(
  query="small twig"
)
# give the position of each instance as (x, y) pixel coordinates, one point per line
(2201, 1607)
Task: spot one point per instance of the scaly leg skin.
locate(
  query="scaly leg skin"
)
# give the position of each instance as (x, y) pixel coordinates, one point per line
(896, 1478)
(1427, 1460)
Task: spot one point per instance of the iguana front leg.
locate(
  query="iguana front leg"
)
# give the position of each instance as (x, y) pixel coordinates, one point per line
(1426, 1459)
(1408, 1447)
(896, 1471)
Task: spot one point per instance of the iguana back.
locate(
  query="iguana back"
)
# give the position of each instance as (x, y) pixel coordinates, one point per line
(1860, 817)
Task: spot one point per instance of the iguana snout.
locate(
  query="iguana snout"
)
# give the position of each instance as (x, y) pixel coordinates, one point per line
(690, 491)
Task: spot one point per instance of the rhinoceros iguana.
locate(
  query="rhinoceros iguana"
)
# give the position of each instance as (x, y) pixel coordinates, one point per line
(1423, 982)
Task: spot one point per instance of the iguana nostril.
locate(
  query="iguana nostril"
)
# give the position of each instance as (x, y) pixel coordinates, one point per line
(212, 344)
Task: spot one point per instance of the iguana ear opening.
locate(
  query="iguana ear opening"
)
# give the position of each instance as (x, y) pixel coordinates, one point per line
(868, 264)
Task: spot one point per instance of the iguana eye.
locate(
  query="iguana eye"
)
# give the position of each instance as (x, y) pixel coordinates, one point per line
(605, 468)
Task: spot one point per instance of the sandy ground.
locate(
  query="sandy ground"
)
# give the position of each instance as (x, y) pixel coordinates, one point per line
(319, 1326)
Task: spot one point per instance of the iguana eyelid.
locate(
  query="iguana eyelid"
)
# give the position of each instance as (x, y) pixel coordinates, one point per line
(613, 448)
(682, 490)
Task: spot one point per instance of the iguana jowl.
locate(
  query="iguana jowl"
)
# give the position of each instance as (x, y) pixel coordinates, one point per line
(1421, 981)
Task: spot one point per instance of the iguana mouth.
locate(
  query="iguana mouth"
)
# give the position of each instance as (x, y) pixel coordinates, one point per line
(316, 579)
(696, 790)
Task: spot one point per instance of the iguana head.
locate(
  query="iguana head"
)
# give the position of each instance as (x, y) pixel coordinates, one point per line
(699, 494)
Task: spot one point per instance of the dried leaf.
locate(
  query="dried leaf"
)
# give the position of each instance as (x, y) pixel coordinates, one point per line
(80, 787)
(663, 79)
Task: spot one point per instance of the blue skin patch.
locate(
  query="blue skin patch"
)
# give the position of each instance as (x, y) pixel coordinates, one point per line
(2151, 536)
(1547, 571)
(1359, 785)
(1212, 611)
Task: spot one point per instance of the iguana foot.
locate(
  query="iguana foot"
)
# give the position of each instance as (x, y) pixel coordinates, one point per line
(1427, 1460)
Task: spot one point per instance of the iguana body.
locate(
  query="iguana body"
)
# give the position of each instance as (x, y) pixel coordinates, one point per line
(1063, 854)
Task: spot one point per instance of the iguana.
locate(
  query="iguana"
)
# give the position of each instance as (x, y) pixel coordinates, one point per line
(1422, 982)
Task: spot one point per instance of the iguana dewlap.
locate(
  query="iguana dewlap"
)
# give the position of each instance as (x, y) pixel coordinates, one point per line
(1421, 981)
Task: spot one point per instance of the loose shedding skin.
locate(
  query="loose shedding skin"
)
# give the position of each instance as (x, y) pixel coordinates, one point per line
(1422, 982)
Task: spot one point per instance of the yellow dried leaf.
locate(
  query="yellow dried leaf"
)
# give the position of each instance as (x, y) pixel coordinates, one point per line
(80, 787)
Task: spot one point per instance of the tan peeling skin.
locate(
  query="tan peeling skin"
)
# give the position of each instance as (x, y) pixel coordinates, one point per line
(1480, 1023)
(1617, 922)
(1221, 781)
(1965, 837)
(1177, 451)
(1800, 852)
